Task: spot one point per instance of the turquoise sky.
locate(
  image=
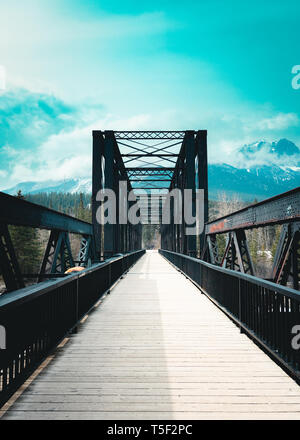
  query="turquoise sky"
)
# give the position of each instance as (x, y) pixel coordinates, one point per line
(75, 65)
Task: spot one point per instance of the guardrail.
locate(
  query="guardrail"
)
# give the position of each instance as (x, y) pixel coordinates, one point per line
(267, 312)
(37, 318)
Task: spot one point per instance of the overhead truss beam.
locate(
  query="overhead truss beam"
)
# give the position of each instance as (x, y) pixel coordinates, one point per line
(149, 135)
(284, 208)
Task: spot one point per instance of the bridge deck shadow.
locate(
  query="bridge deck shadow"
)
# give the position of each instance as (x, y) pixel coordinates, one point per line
(156, 348)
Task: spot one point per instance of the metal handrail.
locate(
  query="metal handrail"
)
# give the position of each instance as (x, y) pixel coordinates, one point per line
(27, 293)
(287, 291)
(37, 318)
(265, 311)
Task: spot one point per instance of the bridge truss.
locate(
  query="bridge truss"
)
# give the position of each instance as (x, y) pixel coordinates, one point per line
(156, 161)
(284, 210)
(152, 163)
(57, 257)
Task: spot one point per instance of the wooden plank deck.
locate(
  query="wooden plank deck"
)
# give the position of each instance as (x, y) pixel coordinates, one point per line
(156, 348)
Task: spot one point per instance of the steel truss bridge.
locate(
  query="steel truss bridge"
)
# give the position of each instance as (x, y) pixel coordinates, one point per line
(36, 318)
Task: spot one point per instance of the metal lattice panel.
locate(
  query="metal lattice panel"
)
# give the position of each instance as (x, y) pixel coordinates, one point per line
(149, 134)
(151, 160)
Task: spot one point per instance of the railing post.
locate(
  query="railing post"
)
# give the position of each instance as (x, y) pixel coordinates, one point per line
(109, 278)
(75, 329)
(240, 306)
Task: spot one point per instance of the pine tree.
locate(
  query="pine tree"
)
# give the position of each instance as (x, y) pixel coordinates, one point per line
(81, 210)
(276, 236)
(27, 246)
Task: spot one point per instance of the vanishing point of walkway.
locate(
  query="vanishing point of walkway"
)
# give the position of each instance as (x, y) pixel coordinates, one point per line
(156, 348)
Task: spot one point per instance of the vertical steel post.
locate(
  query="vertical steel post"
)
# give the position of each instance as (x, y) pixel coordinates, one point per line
(190, 184)
(109, 182)
(296, 259)
(9, 265)
(97, 185)
(201, 152)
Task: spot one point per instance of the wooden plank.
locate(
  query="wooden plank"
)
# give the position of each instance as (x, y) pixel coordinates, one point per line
(150, 398)
(140, 415)
(157, 407)
(156, 349)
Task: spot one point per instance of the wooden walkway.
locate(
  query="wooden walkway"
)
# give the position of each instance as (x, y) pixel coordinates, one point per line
(156, 348)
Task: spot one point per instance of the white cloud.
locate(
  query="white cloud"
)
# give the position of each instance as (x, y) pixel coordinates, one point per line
(280, 121)
(2, 78)
(67, 154)
(42, 25)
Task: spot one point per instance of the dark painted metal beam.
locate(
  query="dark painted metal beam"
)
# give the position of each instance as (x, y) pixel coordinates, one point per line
(20, 212)
(284, 208)
(10, 269)
(149, 134)
(150, 180)
(202, 176)
(110, 235)
(149, 187)
(190, 152)
(150, 155)
(144, 169)
(98, 151)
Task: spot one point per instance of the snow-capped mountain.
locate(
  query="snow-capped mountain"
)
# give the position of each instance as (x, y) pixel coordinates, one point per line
(262, 170)
(73, 186)
(283, 153)
(251, 183)
(283, 147)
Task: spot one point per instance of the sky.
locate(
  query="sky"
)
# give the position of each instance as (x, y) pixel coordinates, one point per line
(72, 66)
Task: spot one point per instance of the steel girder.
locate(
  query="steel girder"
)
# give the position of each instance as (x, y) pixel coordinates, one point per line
(237, 256)
(144, 135)
(108, 171)
(284, 210)
(58, 255)
(150, 172)
(210, 252)
(20, 212)
(149, 160)
(190, 173)
(87, 252)
(287, 257)
(9, 266)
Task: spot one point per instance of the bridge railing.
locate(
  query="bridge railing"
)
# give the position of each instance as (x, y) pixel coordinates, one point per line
(35, 319)
(267, 312)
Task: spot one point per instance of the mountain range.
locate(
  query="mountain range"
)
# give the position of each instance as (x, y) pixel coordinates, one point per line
(262, 169)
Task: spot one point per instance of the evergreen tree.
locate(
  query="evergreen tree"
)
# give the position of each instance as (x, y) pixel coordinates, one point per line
(276, 236)
(150, 235)
(27, 246)
(81, 210)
